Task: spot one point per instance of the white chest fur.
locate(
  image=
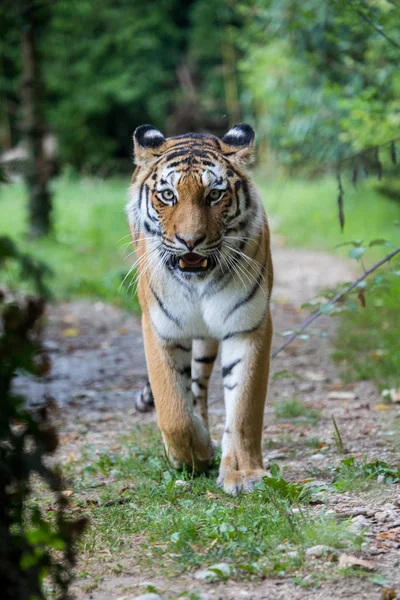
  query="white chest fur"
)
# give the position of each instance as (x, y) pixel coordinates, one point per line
(177, 313)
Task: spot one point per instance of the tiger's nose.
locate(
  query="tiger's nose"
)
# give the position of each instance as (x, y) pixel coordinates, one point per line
(190, 241)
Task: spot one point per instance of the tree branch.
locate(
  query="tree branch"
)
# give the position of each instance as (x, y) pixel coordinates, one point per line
(375, 27)
(338, 297)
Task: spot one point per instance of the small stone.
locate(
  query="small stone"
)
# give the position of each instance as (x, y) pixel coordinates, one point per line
(341, 396)
(318, 456)
(306, 387)
(318, 551)
(292, 554)
(275, 455)
(210, 575)
(377, 551)
(381, 516)
(364, 546)
(358, 524)
(318, 483)
(354, 512)
(315, 376)
(380, 479)
(181, 483)
(395, 525)
(50, 346)
(281, 548)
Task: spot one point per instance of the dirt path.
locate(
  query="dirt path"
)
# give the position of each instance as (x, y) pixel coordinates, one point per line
(98, 364)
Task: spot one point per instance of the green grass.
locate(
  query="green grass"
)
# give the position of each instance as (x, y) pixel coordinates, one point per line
(292, 409)
(354, 475)
(189, 522)
(367, 344)
(85, 251)
(305, 213)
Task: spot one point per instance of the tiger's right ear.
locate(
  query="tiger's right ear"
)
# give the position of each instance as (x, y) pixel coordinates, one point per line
(148, 144)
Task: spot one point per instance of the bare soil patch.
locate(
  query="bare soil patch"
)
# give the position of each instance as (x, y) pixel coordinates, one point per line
(98, 364)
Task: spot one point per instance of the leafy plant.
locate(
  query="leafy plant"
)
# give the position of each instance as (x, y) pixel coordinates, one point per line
(337, 437)
(33, 548)
(287, 490)
(353, 473)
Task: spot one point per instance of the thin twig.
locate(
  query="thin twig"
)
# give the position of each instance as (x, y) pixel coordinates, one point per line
(116, 502)
(351, 157)
(375, 27)
(338, 297)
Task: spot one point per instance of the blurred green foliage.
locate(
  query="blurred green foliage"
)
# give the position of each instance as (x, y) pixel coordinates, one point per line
(326, 82)
(86, 249)
(318, 80)
(367, 340)
(36, 549)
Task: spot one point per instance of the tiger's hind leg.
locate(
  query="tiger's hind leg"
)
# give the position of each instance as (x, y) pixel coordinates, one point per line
(144, 400)
(204, 353)
(185, 438)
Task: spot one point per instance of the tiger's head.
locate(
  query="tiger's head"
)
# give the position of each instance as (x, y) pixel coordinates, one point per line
(190, 196)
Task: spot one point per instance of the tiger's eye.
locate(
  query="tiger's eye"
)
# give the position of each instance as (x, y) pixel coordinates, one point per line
(215, 194)
(168, 195)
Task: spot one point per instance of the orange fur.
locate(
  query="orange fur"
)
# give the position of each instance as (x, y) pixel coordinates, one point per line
(198, 163)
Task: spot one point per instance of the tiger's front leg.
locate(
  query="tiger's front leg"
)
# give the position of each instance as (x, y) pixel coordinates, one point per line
(186, 440)
(245, 370)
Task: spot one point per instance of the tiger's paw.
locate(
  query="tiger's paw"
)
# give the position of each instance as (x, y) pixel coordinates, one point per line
(144, 400)
(236, 482)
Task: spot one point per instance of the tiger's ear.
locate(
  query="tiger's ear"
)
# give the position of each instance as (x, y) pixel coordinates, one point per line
(148, 144)
(238, 144)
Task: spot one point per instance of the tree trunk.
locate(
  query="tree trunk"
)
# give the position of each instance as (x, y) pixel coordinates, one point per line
(37, 173)
(230, 81)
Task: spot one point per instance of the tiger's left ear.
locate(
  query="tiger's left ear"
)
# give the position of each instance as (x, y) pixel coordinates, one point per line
(148, 144)
(238, 144)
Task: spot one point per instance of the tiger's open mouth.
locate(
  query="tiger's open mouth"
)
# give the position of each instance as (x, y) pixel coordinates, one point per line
(192, 262)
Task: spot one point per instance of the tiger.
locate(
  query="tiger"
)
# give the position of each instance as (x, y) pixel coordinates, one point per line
(204, 279)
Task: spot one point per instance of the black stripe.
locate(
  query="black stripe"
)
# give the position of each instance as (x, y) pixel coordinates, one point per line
(205, 377)
(246, 194)
(249, 296)
(179, 280)
(230, 387)
(201, 386)
(245, 331)
(160, 335)
(229, 368)
(180, 347)
(184, 161)
(243, 224)
(237, 188)
(150, 230)
(147, 207)
(185, 371)
(165, 310)
(218, 283)
(208, 360)
(140, 196)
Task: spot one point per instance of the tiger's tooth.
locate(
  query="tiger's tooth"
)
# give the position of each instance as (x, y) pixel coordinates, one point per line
(182, 263)
(204, 263)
